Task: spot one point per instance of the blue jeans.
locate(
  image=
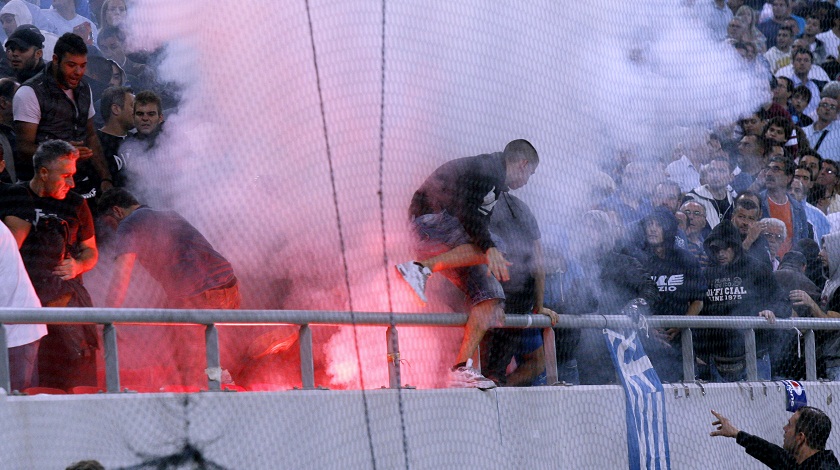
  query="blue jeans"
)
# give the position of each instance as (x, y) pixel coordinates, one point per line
(441, 232)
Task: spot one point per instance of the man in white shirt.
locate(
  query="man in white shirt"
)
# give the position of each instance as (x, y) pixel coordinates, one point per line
(803, 72)
(824, 134)
(62, 18)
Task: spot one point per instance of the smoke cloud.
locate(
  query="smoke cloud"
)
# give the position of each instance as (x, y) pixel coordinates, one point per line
(245, 157)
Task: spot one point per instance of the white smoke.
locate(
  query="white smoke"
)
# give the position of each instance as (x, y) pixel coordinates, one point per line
(245, 158)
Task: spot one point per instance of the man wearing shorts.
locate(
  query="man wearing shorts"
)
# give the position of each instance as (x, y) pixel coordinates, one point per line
(450, 216)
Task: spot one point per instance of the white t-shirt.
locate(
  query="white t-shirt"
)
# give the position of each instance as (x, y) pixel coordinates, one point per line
(16, 290)
(25, 105)
(831, 42)
(56, 24)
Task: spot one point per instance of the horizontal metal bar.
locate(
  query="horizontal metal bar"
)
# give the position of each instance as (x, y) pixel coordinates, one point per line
(317, 317)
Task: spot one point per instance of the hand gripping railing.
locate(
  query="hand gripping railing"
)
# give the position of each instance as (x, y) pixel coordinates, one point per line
(304, 318)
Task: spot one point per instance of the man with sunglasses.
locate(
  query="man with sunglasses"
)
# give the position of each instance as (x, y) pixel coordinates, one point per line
(776, 203)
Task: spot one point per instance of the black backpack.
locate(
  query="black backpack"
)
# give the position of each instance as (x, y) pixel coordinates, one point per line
(44, 249)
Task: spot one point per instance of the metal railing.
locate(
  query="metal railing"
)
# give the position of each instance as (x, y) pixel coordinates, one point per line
(112, 318)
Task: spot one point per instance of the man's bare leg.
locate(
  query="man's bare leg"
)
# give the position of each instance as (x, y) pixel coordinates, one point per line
(459, 257)
(483, 316)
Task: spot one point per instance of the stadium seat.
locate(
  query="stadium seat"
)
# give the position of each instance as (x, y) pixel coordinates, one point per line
(86, 389)
(180, 389)
(44, 391)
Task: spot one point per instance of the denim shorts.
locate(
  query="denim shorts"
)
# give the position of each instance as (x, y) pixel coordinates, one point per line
(440, 232)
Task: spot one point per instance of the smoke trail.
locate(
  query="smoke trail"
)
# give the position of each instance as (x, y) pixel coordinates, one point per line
(244, 157)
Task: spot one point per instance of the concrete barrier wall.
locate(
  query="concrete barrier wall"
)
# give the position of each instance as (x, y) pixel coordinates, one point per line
(544, 427)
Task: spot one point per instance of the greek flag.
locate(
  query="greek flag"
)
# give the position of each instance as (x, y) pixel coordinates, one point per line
(647, 433)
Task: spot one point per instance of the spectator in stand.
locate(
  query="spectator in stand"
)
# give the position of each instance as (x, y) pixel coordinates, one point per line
(751, 33)
(681, 287)
(779, 131)
(8, 87)
(815, 268)
(803, 72)
(799, 101)
(775, 233)
(824, 134)
(135, 150)
(831, 38)
(111, 41)
(715, 195)
(775, 203)
(751, 125)
(696, 152)
(791, 277)
(778, 56)
(14, 14)
(828, 342)
(513, 222)
(770, 27)
(24, 50)
(62, 18)
(824, 192)
(117, 108)
(746, 219)
(17, 291)
(44, 112)
(810, 41)
(113, 13)
(811, 161)
(755, 293)
(805, 435)
(750, 164)
(54, 229)
(800, 187)
(630, 203)
(696, 228)
(782, 92)
(667, 194)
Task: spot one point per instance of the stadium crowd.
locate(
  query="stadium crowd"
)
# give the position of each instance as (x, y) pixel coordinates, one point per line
(737, 220)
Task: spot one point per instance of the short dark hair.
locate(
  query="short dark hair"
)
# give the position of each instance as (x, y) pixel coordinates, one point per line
(114, 95)
(521, 149)
(147, 97)
(746, 200)
(69, 43)
(787, 164)
(116, 197)
(779, 121)
(8, 87)
(108, 32)
(786, 28)
(816, 426)
(51, 151)
(789, 83)
(799, 51)
(803, 91)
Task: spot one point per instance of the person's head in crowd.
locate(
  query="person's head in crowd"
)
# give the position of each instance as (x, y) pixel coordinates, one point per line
(813, 25)
(734, 5)
(813, 260)
(148, 115)
(723, 245)
(599, 233)
(639, 179)
(779, 173)
(798, 189)
(55, 164)
(746, 214)
(695, 215)
(808, 427)
(800, 99)
(827, 177)
(775, 150)
(799, 43)
(775, 233)
(111, 41)
(25, 48)
(682, 220)
(667, 194)
(86, 465)
(8, 87)
(113, 13)
(14, 14)
(117, 75)
(782, 90)
(794, 29)
(803, 175)
(749, 146)
(827, 110)
(69, 60)
(718, 173)
(117, 106)
(778, 130)
(752, 124)
(115, 205)
(736, 29)
(746, 49)
(745, 198)
(812, 161)
(802, 60)
(784, 38)
(660, 230)
(98, 72)
(781, 10)
(831, 89)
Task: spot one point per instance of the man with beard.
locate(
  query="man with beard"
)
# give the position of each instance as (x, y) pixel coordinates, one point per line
(738, 286)
(776, 203)
(805, 435)
(681, 286)
(57, 104)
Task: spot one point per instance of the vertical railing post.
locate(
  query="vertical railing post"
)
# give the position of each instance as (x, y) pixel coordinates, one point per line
(687, 339)
(810, 356)
(211, 340)
(394, 376)
(112, 363)
(5, 378)
(749, 349)
(550, 354)
(307, 364)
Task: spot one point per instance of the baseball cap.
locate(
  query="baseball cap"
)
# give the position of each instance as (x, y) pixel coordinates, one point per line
(26, 36)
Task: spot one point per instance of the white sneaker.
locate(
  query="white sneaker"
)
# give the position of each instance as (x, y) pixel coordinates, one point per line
(467, 377)
(415, 274)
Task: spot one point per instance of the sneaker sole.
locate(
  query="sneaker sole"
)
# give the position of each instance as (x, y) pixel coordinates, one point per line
(405, 278)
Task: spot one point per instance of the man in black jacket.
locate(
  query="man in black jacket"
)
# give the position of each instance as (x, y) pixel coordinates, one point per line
(806, 433)
(450, 216)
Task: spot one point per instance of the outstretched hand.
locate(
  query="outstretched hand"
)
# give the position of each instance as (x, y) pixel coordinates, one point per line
(724, 427)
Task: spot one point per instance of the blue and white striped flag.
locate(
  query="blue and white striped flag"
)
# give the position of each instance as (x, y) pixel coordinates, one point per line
(647, 433)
